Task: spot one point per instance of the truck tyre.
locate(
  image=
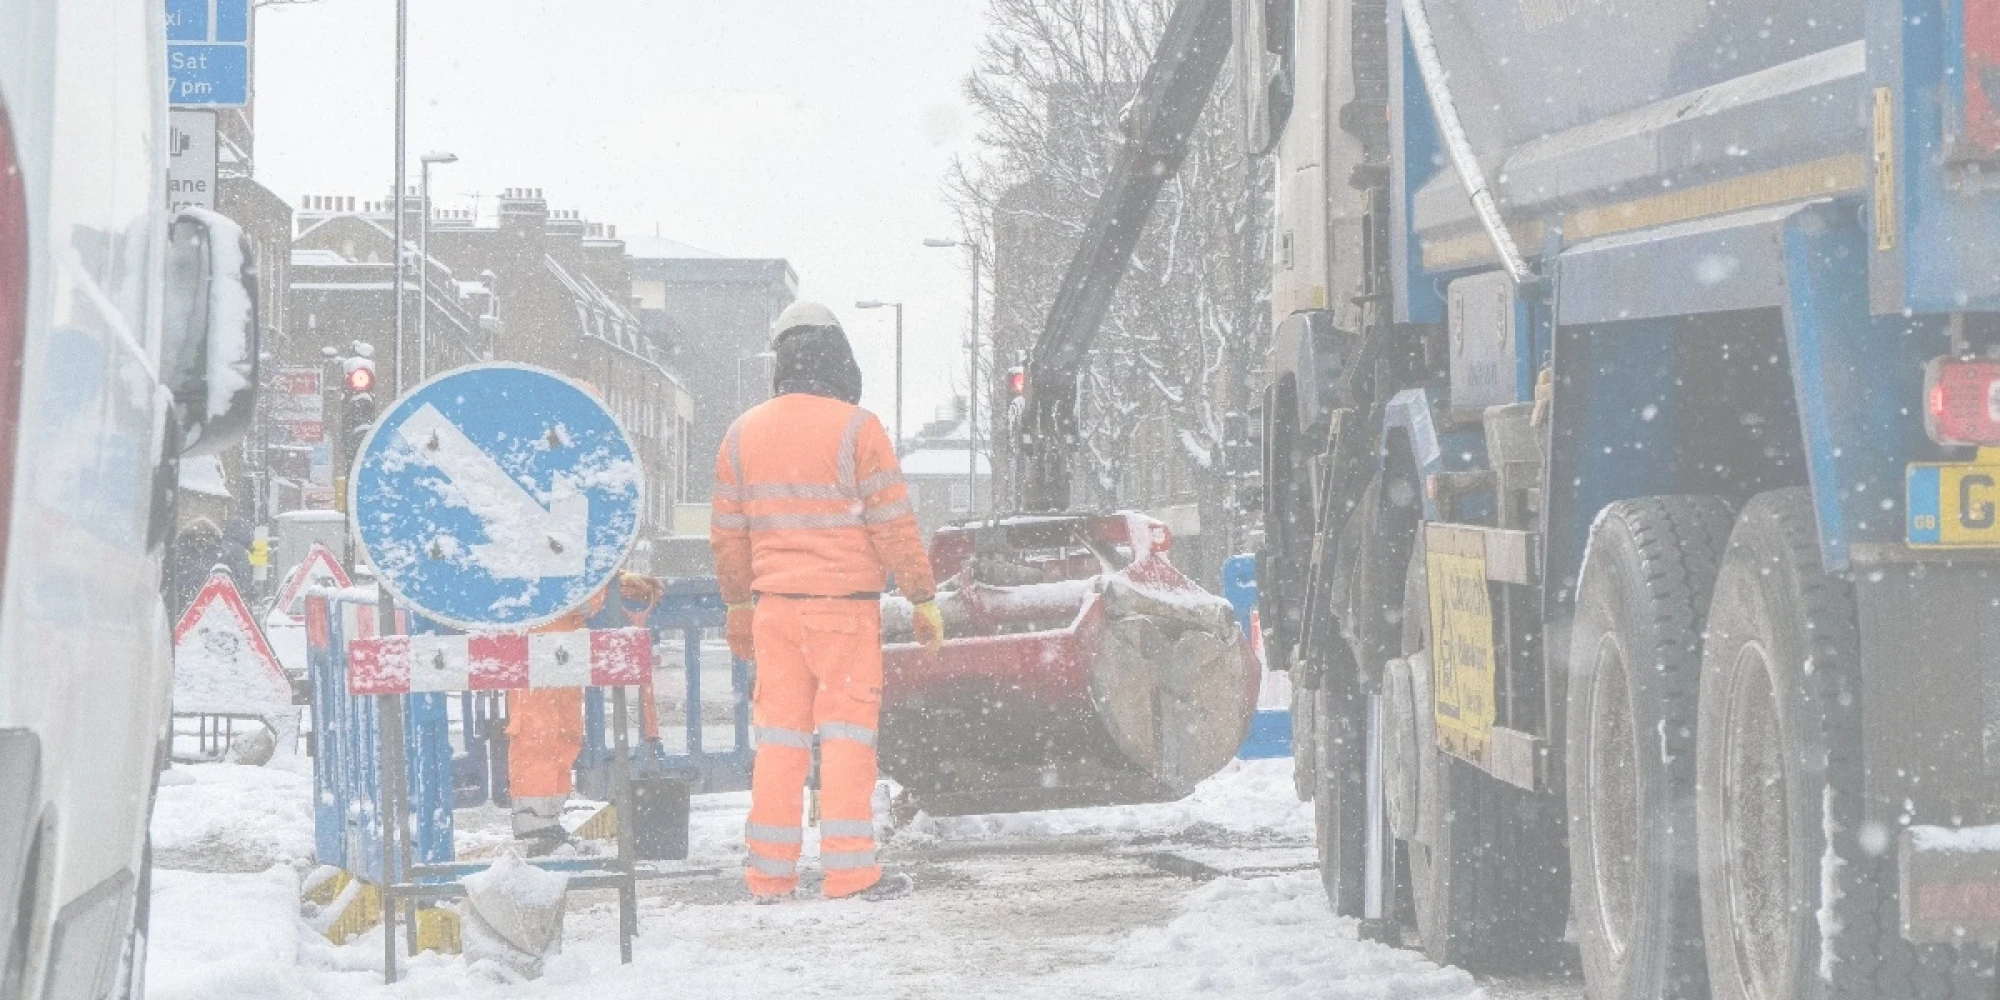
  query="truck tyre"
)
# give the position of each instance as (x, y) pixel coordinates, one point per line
(1779, 754)
(1486, 879)
(1340, 806)
(1635, 671)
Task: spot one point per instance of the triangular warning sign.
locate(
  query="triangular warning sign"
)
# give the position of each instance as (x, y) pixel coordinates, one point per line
(222, 663)
(320, 569)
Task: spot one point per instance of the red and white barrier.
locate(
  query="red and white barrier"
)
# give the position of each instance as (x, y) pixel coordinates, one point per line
(507, 661)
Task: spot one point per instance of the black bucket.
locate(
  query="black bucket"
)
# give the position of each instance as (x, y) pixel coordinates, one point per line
(660, 807)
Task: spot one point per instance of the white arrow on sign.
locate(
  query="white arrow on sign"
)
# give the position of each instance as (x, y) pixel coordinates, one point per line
(525, 540)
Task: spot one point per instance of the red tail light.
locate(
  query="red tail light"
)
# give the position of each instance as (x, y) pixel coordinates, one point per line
(1982, 75)
(13, 314)
(1962, 401)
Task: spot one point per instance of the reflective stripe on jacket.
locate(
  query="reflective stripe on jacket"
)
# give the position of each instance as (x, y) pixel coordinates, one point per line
(809, 499)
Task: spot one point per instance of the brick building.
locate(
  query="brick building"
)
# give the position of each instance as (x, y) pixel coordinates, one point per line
(539, 287)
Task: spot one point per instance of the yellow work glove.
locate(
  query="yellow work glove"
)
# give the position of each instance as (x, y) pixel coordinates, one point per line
(644, 591)
(928, 623)
(740, 643)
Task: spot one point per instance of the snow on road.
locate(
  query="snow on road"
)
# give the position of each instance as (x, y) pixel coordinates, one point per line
(1059, 904)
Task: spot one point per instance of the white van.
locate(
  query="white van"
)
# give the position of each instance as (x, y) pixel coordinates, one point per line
(126, 341)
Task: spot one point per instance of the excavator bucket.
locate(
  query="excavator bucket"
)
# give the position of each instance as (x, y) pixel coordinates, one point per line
(1083, 669)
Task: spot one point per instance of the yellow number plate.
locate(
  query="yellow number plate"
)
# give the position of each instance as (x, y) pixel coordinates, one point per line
(1954, 506)
(1462, 654)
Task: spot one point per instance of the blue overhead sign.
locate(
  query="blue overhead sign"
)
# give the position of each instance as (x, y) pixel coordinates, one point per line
(496, 497)
(208, 53)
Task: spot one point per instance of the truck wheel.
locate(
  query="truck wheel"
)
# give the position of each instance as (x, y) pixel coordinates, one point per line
(1340, 806)
(1486, 880)
(1635, 665)
(1780, 759)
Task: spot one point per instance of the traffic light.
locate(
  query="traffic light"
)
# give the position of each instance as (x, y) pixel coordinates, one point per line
(357, 411)
(360, 375)
(357, 415)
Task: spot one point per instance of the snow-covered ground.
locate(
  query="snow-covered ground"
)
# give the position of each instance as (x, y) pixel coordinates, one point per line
(1059, 904)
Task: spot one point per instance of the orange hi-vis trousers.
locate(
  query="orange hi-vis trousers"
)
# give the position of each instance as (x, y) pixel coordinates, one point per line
(545, 728)
(819, 668)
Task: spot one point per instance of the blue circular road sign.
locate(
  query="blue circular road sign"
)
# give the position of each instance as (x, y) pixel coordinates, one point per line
(496, 497)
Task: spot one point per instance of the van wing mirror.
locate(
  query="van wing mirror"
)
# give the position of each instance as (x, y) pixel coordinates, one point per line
(1266, 68)
(208, 357)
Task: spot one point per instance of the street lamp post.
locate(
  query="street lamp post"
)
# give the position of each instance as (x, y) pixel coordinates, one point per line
(402, 169)
(972, 385)
(898, 306)
(424, 265)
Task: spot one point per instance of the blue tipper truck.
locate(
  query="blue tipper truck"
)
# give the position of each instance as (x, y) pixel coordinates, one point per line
(1631, 479)
(1632, 455)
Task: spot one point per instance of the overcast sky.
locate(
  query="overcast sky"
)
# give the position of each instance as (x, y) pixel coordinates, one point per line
(815, 130)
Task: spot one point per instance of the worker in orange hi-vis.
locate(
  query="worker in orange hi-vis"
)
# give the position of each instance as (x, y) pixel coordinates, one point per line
(810, 517)
(545, 734)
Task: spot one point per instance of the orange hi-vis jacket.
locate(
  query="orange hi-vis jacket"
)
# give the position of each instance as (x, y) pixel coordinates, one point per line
(809, 501)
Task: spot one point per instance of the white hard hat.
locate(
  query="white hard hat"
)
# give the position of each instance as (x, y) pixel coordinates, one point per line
(800, 314)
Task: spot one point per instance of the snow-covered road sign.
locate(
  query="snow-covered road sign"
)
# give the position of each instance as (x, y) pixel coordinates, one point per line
(224, 666)
(320, 569)
(496, 497)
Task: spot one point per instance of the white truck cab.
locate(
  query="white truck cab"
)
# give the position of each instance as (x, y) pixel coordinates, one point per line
(126, 342)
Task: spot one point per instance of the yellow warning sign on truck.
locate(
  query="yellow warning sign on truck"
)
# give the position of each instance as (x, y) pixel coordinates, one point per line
(1462, 654)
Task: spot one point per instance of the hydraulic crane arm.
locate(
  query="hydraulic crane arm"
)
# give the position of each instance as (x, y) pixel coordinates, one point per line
(1161, 126)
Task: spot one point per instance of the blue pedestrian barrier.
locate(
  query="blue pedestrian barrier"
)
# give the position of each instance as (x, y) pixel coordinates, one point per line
(1271, 728)
(689, 608)
(347, 750)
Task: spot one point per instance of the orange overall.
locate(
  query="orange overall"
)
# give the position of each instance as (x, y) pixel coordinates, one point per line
(811, 515)
(545, 732)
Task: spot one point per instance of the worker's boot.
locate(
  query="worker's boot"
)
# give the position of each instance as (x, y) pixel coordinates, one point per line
(894, 885)
(538, 824)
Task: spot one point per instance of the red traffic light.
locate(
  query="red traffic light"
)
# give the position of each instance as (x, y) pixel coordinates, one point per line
(1017, 382)
(361, 378)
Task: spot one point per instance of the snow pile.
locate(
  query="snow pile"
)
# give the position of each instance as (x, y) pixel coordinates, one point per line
(1264, 938)
(225, 936)
(236, 816)
(1248, 798)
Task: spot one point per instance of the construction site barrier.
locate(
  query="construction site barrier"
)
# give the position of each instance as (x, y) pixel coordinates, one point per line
(384, 806)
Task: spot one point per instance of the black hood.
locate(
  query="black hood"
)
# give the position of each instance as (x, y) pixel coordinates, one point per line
(816, 360)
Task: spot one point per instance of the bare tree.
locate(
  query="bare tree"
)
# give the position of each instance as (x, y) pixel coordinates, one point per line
(1053, 83)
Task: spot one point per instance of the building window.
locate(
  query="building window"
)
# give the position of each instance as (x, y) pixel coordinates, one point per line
(961, 497)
